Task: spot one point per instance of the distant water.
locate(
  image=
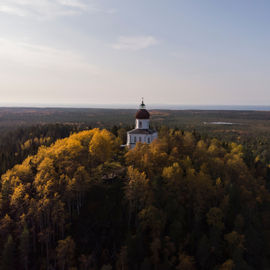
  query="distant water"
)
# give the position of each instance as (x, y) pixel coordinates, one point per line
(149, 106)
(220, 123)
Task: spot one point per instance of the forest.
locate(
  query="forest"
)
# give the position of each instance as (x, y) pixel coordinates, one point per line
(72, 198)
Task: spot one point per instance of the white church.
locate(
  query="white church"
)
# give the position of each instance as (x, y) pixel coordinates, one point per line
(142, 132)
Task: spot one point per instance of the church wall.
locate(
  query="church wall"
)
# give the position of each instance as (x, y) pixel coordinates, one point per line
(132, 139)
(142, 123)
(154, 136)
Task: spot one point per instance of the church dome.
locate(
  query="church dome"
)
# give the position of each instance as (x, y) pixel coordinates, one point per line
(142, 114)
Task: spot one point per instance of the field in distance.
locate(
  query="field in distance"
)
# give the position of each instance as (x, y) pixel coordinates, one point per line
(217, 121)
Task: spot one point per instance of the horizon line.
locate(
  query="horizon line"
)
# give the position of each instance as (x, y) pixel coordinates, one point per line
(151, 106)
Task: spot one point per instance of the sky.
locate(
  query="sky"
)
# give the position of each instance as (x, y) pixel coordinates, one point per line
(205, 52)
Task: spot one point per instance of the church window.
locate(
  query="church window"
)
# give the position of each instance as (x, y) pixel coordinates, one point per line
(148, 140)
(135, 139)
(140, 124)
(140, 139)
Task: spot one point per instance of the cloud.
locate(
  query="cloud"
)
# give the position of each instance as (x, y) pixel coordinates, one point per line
(43, 57)
(134, 43)
(12, 10)
(46, 9)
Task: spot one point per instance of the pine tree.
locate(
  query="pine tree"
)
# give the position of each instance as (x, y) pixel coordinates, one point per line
(24, 247)
(7, 261)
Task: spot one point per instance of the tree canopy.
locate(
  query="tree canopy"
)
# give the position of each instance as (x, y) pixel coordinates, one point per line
(181, 202)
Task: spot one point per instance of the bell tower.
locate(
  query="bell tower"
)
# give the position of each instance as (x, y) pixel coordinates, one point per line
(142, 117)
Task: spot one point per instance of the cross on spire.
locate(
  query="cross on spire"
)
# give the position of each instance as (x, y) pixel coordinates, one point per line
(142, 104)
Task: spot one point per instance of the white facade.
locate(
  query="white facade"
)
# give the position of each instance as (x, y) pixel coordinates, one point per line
(142, 123)
(132, 139)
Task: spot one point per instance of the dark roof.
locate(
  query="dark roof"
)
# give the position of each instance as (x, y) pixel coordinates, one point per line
(142, 114)
(141, 131)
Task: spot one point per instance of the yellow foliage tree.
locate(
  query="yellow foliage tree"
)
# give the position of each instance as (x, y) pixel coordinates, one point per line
(102, 145)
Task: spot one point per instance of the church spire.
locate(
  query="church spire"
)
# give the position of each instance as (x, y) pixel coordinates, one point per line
(142, 106)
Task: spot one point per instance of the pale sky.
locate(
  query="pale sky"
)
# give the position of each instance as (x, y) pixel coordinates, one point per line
(114, 52)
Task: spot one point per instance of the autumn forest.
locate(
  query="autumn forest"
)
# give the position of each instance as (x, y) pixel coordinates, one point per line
(72, 198)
